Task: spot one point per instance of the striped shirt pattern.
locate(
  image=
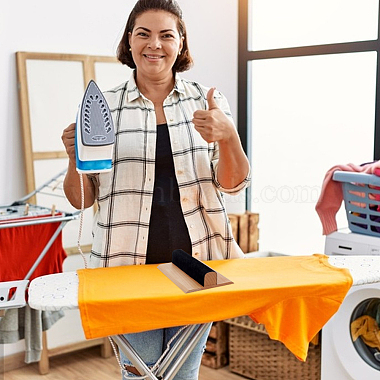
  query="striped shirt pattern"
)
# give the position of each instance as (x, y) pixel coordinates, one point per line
(125, 194)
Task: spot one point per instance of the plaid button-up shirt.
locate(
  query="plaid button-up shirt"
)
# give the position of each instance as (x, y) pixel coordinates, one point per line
(125, 194)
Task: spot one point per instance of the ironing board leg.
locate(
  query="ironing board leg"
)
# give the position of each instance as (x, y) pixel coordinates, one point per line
(171, 366)
(184, 335)
(133, 356)
(176, 365)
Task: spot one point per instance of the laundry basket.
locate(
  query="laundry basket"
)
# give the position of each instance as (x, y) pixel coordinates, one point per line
(361, 194)
(254, 355)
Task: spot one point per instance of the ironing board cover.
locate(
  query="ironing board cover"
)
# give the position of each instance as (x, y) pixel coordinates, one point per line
(293, 296)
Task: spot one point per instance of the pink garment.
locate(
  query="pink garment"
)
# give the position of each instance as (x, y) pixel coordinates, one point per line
(331, 196)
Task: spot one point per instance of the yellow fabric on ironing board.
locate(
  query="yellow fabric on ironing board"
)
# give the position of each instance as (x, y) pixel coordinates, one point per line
(293, 296)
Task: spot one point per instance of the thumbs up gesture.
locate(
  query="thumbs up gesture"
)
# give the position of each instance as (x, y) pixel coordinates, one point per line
(213, 124)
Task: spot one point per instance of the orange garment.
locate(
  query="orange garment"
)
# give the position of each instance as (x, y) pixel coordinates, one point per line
(21, 246)
(367, 328)
(292, 296)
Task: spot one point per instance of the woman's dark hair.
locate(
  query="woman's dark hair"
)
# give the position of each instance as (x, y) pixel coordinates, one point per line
(184, 60)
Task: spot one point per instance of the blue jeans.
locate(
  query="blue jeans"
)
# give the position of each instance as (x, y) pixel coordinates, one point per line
(150, 345)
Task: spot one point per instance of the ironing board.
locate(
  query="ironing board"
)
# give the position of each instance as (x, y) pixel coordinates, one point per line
(60, 291)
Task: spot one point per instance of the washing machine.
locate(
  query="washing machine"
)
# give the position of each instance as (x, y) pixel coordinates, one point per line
(344, 355)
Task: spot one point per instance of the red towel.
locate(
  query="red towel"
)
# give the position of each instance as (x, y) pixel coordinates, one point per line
(21, 246)
(331, 196)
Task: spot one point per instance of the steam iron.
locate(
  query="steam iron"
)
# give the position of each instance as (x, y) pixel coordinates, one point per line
(94, 134)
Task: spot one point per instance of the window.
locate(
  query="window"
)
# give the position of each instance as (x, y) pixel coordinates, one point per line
(307, 101)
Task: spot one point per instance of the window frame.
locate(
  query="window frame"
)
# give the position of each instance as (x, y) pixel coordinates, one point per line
(245, 56)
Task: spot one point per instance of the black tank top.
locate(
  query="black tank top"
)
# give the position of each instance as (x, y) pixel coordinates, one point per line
(167, 227)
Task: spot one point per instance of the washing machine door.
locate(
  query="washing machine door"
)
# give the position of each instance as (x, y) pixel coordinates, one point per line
(351, 339)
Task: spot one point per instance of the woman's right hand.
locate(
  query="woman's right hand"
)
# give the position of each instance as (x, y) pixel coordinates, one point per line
(68, 139)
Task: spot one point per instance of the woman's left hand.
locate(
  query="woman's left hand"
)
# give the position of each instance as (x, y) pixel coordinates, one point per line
(213, 124)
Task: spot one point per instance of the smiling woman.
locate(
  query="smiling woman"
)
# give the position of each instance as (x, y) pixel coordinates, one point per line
(159, 46)
(176, 151)
(184, 61)
(154, 52)
(157, 43)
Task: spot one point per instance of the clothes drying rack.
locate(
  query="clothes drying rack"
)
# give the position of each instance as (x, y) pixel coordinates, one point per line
(12, 293)
(21, 213)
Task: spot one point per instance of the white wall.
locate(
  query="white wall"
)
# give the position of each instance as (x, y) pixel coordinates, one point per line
(95, 27)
